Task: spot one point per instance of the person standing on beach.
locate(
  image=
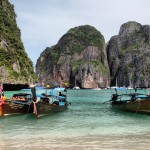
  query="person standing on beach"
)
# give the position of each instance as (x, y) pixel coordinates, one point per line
(2, 100)
(1, 89)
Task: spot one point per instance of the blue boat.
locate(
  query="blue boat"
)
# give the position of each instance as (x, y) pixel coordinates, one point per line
(49, 103)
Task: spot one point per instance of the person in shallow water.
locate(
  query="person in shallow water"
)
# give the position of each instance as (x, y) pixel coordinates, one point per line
(60, 94)
(114, 97)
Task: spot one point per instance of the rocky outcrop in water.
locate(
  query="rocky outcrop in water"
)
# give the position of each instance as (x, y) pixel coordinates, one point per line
(79, 58)
(129, 55)
(15, 65)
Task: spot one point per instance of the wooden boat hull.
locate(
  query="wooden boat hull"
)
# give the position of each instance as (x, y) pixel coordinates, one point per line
(138, 106)
(48, 103)
(13, 107)
(43, 108)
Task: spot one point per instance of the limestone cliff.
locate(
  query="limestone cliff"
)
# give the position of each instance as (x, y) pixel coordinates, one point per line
(15, 66)
(129, 55)
(79, 58)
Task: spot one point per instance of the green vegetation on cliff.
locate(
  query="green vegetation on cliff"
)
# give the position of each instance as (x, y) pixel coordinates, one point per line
(97, 64)
(14, 60)
(76, 39)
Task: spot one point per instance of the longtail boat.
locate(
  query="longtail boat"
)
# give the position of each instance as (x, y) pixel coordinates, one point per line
(48, 103)
(133, 102)
(19, 103)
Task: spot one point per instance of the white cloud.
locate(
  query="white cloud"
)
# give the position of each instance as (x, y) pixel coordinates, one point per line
(44, 22)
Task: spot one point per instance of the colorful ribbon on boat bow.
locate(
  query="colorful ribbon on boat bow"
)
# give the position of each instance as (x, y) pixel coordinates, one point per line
(34, 108)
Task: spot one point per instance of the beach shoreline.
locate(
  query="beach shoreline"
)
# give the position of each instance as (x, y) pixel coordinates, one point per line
(123, 142)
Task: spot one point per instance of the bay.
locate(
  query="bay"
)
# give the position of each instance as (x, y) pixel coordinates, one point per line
(88, 123)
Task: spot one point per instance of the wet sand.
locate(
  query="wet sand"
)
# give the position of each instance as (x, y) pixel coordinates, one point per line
(130, 142)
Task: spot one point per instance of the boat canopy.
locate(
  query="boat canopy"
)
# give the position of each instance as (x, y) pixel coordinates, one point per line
(132, 94)
(58, 89)
(21, 94)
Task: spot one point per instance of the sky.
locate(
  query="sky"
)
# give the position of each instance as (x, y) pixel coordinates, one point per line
(44, 22)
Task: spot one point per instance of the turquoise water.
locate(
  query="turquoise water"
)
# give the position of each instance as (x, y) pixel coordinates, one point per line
(89, 123)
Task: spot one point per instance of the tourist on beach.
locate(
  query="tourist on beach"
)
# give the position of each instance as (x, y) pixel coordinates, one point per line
(1, 89)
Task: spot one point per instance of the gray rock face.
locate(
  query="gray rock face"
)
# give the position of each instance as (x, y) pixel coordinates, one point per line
(128, 55)
(80, 59)
(91, 53)
(129, 28)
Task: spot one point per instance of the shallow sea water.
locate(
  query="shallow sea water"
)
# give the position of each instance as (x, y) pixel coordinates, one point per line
(88, 124)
